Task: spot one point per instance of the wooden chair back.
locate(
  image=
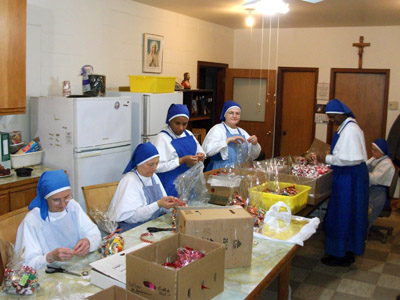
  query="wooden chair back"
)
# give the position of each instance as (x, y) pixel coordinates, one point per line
(9, 223)
(99, 195)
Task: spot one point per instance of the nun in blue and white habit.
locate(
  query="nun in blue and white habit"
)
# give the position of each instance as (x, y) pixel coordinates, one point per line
(56, 228)
(346, 219)
(381, 171)
(140, 195)
(179, 149)
(226, 143)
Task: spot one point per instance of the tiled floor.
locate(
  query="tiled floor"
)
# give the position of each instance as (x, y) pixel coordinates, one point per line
(374, 276)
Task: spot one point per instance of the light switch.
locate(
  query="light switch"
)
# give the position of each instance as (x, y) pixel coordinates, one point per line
(393, 105)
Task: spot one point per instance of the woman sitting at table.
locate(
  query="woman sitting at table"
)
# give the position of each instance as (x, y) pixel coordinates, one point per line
(140, 196)
(178, 148)
(381, 171)
(228, 144)
(56, 228)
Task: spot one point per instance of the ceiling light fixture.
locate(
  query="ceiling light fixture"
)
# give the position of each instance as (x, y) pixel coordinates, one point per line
(250, 19)
(267, 7)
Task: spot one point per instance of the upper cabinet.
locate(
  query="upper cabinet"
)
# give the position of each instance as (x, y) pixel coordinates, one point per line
(12, 56)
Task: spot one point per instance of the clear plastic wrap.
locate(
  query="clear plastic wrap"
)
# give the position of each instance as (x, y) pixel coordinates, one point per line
(103, 221)
(19, 279)
(191, 186)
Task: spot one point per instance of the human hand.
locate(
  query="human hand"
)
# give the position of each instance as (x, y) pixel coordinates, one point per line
(189, 160)
(237, 139)
(200, 156)
(167, 202)
(252, 140)
(59, 254)
(82, 247)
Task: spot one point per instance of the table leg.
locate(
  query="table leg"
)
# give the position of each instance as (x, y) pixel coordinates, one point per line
(283, 282)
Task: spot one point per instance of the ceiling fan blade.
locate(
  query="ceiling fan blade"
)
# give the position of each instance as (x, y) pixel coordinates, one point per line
(250, 2)
(313, 1)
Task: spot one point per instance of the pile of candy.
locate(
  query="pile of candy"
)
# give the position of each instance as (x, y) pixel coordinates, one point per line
(238, 200)
(111, 244)
(309, 171)
(287, 191)
(258, 215)
(175, 211)
(23, 281)
(184, 256)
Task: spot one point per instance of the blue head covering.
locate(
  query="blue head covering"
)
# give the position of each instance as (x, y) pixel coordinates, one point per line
(382, 145)
(50, 183)
(177, 110)
(336, 106)
(142, 153)
(227, 106)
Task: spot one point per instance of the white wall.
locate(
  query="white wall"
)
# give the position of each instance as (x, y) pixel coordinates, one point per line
(62, 36)
(322, 48)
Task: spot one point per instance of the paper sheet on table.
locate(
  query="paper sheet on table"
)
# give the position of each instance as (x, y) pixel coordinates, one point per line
(115, 265)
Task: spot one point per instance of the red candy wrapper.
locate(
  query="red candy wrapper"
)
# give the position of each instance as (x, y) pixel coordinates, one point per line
(184, 256)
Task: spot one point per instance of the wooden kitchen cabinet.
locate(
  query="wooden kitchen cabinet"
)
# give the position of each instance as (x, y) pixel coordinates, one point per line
(12, 56)
(17, 194)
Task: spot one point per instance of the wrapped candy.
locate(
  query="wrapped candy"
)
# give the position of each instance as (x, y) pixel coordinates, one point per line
(111, 244)
(184, 256)
(258, 215)
(175, 211)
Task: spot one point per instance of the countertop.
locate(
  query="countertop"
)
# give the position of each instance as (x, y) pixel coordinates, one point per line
(36, 172)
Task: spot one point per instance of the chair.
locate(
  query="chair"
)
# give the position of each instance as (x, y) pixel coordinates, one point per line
(386, 211)
(99, 196)
(9, 223)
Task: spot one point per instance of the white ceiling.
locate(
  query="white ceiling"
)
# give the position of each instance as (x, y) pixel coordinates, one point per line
(329, 13)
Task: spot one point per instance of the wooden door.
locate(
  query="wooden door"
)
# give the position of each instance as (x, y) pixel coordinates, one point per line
(365, 92)
(296, 100)
(262, 129)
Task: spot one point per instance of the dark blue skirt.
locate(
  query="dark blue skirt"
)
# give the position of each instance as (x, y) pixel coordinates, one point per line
(346, 220)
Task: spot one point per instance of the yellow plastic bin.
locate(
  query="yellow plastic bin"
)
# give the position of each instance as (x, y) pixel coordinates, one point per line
(260, 198)
(151, 84)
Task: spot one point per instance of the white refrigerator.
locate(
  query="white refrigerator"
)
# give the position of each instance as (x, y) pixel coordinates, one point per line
(90, 138)
(149, 112)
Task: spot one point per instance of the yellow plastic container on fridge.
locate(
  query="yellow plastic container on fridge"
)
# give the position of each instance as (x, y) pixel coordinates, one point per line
(151, 84)
(260, 198)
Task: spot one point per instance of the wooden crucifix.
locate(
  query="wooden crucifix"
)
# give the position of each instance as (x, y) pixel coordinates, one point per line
(361, 46)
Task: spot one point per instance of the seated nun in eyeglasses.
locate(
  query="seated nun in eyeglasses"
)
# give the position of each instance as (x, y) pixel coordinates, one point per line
(56, 228)
(381, 171)
(140, 196)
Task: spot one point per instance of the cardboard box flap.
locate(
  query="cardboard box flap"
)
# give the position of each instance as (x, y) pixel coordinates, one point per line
(224, 180)
(231, 212)
(319, 147)
(115, 293)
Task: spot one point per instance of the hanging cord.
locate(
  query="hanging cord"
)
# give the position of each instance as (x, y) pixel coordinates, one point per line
(269, 54)
(276, 83)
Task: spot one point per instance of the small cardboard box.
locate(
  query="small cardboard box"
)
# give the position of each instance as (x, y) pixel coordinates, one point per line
(115, 293)
(221, 187)
(201, 279)
(231, 226)
(5, 162)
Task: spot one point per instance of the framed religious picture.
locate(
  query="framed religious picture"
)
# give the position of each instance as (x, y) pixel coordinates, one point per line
(153, 46)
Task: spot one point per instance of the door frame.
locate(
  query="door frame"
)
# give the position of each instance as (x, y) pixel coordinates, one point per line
(279, 103)
(386, 72)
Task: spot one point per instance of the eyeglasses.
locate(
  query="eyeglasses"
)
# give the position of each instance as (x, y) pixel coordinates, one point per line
(57, 201)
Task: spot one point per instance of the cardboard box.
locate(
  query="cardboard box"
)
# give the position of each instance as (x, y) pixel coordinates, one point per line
(115, 293)
(221, 187)
(231, 226)
(321, 187)
(144, 270)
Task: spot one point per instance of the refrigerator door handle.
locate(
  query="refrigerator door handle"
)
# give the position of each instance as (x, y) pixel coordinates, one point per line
(146, 112)
(90, 154)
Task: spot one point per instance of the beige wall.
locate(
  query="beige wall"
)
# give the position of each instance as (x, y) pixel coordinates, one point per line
(323, 48)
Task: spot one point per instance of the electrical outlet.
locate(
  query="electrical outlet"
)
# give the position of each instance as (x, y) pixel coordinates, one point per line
(393, 105)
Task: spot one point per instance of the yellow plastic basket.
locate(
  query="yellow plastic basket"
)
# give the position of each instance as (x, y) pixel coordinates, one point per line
(151, 84)
(265, 200)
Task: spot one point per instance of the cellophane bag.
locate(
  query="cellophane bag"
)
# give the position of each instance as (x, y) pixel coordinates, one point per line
(191, 186)
(19, 279)
(113, 242)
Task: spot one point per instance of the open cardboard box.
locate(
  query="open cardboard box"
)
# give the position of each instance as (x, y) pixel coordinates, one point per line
(115, 293)
(201, 279)
(231, 226)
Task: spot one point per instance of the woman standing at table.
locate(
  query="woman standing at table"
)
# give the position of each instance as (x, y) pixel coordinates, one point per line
(56, 228)
(226, 143)
(140, 196)
(178, 148)
(346, 219)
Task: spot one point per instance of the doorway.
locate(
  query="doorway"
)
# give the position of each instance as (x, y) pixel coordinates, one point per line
(365, 92)
(296, 100)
